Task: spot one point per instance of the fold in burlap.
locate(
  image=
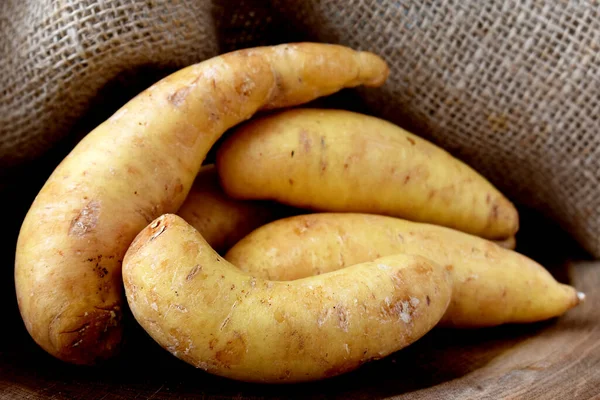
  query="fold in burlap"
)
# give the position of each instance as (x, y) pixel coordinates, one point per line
(512, 88)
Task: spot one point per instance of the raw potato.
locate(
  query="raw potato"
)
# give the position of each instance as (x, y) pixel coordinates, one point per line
(139, 164)
(492, 285)
(334, 160)
(221, 220)
(212, 315)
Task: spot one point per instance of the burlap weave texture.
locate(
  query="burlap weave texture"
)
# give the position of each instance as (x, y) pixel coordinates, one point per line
(510, 87)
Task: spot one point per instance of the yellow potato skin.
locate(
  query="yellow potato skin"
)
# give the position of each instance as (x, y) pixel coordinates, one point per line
(221, 220)
(210, 314)
(335, 160)
(492, 285)
(139, 164)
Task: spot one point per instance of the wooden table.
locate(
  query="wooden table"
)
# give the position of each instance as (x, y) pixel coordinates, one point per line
(558, 359)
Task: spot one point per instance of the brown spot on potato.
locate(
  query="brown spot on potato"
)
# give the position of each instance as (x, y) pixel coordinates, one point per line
(233, 352)
(323, 166)
(494, 212)
(132, 170)
(406, 179)
(488, 198)
(100, 270)
(193, 272)
(86, 220)
(279, 316)
(411, 141)
(428, 300)
(291, 181)
(449, 267)
(245, 87)
(212, 343)
(422, 269)
(178, 97)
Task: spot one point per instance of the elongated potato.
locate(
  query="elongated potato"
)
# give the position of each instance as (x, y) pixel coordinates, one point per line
(212, 315)
(334, 160)
(492, 285)
(221, 220)
(139, 164)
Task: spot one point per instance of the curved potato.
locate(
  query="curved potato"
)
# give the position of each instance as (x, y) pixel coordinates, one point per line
(492, 285)
(367, 165)
(139, 164)
(221, 220)
(212, 315)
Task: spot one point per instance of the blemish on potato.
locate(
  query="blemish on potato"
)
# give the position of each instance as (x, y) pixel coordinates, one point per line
(323, 166)
(193, 272)
(279, 316)
(100, 270)
(411, 140)
(324, 316)
(158, 233)
(342, 315)
(494, 213)
(86, 219)
(246, 87)
(179, 96)
(228, 317)
(287, 373)
(181, 308)
(305, 141)
(233, 352)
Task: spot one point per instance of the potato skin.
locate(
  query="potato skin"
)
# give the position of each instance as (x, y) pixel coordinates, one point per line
(366, 164)
(492, 285)
(212, 315)
(139, 164)
(221, 220)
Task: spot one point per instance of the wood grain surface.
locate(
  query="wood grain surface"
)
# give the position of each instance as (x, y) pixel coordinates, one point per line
(557, 359)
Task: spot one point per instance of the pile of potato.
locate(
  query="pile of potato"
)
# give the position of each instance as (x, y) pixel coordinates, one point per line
(385, 235)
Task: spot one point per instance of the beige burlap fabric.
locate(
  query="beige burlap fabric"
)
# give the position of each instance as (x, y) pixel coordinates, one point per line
(511, 87)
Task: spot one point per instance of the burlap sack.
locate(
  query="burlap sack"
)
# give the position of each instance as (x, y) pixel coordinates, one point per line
(512, 88)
